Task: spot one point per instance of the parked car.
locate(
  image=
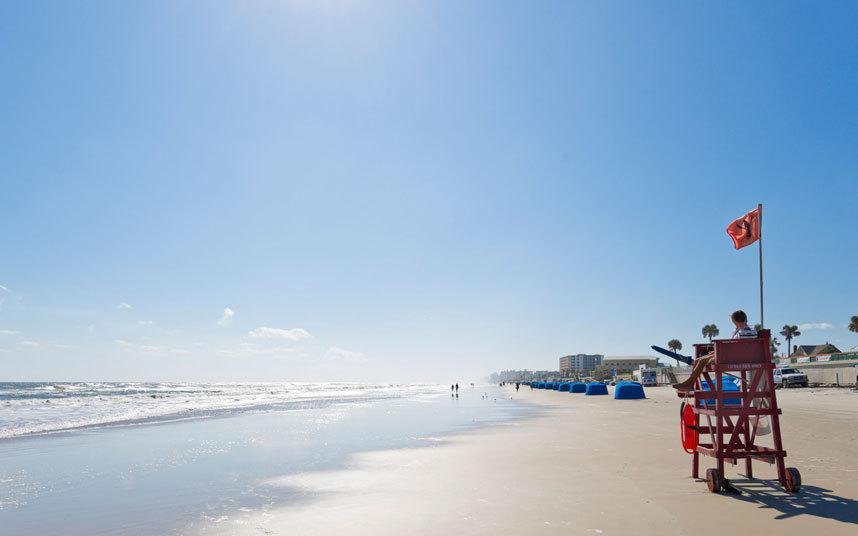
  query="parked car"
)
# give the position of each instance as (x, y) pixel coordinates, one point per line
(787, 377)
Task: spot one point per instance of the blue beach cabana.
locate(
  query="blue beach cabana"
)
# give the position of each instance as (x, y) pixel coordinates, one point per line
(577, 387)
(596, 388)
(629, 391)
(564, 386)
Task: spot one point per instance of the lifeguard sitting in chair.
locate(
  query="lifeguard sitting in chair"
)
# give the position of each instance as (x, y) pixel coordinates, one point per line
(743, 331)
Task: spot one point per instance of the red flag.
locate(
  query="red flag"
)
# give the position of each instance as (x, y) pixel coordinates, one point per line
(746, 230)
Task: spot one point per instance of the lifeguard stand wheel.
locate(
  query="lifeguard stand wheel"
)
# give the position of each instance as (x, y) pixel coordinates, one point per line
(714, 480)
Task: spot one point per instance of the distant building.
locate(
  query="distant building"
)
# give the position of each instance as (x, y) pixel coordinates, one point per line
(813, 350)
(628, 364)
(579, 364)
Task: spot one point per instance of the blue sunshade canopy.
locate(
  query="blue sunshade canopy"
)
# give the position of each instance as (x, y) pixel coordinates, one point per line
(597, 388)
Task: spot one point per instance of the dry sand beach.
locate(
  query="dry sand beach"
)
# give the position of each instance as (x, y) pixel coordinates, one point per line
(588, 465)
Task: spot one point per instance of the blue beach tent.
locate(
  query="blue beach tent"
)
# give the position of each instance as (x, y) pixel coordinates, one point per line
(555, 386)
(564, 386)
(597, 388)
(628, 391)
(577, 387)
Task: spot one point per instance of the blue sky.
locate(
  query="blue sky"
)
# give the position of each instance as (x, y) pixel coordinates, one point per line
(414, 191)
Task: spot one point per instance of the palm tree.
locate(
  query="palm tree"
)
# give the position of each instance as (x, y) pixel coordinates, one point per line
(674, 345)
(775, 343)
(853, 324)
(789, 332)
(710, 330)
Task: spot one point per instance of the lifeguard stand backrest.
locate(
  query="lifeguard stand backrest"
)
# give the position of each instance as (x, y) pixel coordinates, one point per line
(703, 349)
(751, 350)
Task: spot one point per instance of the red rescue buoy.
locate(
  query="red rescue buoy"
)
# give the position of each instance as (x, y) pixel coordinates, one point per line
(688, 428)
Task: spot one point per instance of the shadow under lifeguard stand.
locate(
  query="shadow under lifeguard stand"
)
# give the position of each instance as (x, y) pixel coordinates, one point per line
(810, 501)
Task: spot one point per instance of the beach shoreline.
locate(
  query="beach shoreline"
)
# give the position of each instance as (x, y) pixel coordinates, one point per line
(585, 465)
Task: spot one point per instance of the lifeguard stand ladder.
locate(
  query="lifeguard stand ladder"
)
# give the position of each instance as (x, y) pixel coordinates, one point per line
(733, 417)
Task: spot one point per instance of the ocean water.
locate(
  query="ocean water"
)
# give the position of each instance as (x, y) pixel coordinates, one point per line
(44, 407)
(174, 458)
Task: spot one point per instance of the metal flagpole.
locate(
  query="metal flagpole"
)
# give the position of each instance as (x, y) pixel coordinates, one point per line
(760, 249)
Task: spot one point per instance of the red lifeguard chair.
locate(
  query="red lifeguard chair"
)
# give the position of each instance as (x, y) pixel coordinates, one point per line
(733, 417)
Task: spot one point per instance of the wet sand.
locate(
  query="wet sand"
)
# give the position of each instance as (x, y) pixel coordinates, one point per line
(588, 465)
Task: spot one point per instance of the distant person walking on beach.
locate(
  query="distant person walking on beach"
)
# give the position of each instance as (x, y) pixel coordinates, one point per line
(517, 385)
(457, 388)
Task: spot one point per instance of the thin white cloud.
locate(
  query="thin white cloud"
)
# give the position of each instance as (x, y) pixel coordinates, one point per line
(4, 288)
(124, 306)
(9, 332)
(145, 322)
(149, 349)
(161, 351)
(251, 350)
(340, 354)
(294, 334)
(226, 317)
(815, 325)
(30, 344)
(62, 346)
